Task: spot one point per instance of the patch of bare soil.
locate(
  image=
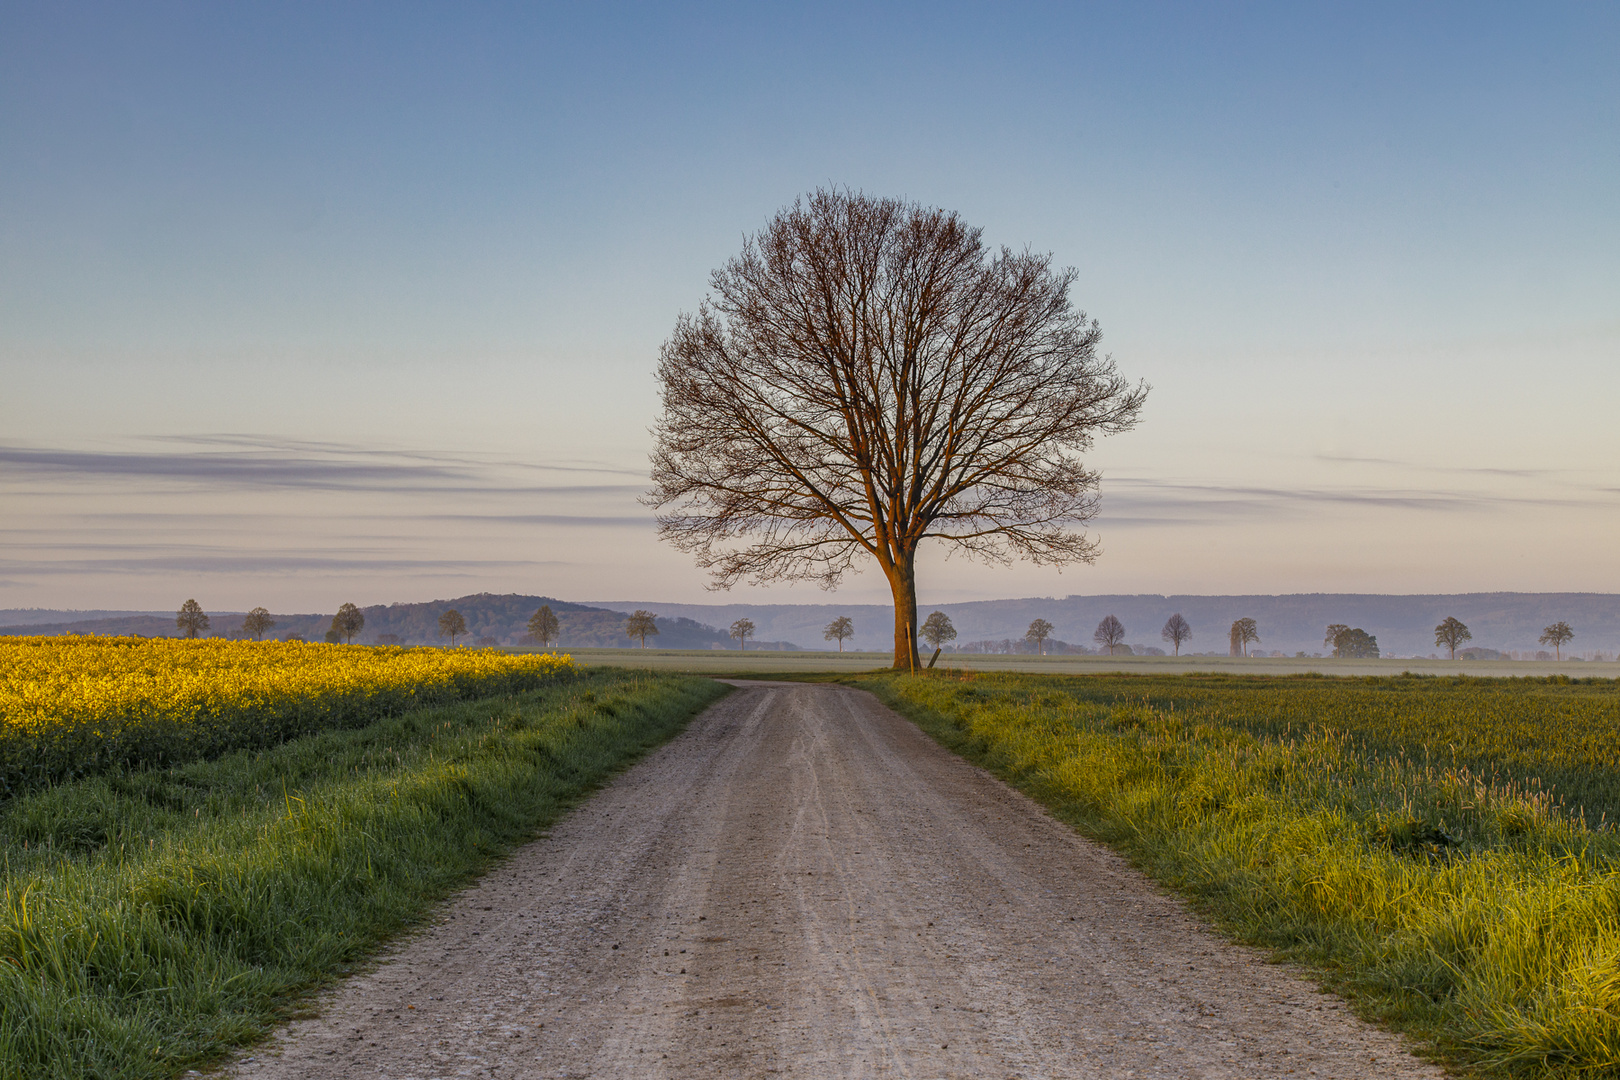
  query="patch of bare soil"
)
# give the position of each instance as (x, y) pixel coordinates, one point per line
(803, 883)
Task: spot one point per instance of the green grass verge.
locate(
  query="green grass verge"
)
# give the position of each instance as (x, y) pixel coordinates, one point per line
(150, 920)
(1466, 906)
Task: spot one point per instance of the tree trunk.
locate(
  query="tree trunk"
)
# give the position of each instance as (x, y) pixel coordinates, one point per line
(903, 582)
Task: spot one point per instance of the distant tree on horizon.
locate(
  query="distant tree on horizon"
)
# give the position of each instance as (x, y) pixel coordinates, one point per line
(543, 626)
(258, 623)
(937, 629)
(740, 630)
(839, 629)
(1356, 644)
(1038, 632)
(190, 619)
(1557, 635)
(639, 625)
(1177, 631)
(333, 637)
(1110, 633)
(348, 622)
(1331, 639)
(1451, 634)
(1244, 632)
(452, 625)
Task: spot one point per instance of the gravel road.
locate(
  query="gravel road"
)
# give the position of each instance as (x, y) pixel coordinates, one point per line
(803, 883)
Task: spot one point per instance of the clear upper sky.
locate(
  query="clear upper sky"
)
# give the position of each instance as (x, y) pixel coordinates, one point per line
(302, 304)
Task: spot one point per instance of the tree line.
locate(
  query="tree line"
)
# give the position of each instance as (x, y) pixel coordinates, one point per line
(1347, 642)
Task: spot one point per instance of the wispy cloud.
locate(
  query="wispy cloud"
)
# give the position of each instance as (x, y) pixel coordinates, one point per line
(1148, 500)
(254, 563)
(266, 464)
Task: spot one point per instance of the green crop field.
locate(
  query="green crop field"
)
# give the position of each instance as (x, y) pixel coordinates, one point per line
(152, 918)
(758, 662)
(1442, 850)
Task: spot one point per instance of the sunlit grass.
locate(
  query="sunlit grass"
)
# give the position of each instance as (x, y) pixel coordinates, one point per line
(151, 917)
(1397, 835)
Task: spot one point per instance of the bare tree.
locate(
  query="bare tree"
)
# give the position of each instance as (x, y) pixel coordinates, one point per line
(1177, 631)
(740, 630)
(1110, 633)
(1557, 635)
(348, 622)
(190, 620)
(1334, 638)
(258, 623)
(1451, 634)
(1244, 631)
(640, 624)
(452, 625)
(543, 625)
(840, 628)
(866, 376)
(937, 630)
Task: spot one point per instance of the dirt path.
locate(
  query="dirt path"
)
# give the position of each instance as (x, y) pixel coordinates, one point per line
(803, 883)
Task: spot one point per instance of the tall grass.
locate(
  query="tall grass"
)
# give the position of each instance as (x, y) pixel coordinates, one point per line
(151, 918)
(1465, 904)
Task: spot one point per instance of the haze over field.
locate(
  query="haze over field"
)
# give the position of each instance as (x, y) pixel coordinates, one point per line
(301, 304)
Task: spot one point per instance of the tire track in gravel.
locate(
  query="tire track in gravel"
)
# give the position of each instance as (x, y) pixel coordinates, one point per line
(804, 883)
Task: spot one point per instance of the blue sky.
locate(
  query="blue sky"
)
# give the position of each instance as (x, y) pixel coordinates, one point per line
(298, 302)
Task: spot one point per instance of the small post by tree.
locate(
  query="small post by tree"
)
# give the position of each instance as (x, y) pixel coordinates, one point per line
(452, 626)
(1557, 635)
(741, 629)
(190, 620)
(348, 622)
(1244, 632)
(1110, 633)
(1334, 638)
(1177, 631)
(1451, 634)
(839, 629)
(641, 624)
(258, 623)
(543, 625)
(868, 375)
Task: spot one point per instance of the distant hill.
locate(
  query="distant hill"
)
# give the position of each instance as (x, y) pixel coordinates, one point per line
(1403, 625)
(502, 617)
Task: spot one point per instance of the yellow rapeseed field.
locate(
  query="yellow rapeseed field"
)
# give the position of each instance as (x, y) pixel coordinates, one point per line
(74, 705)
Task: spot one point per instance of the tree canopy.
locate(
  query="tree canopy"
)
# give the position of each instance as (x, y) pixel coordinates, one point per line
(865, 376)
